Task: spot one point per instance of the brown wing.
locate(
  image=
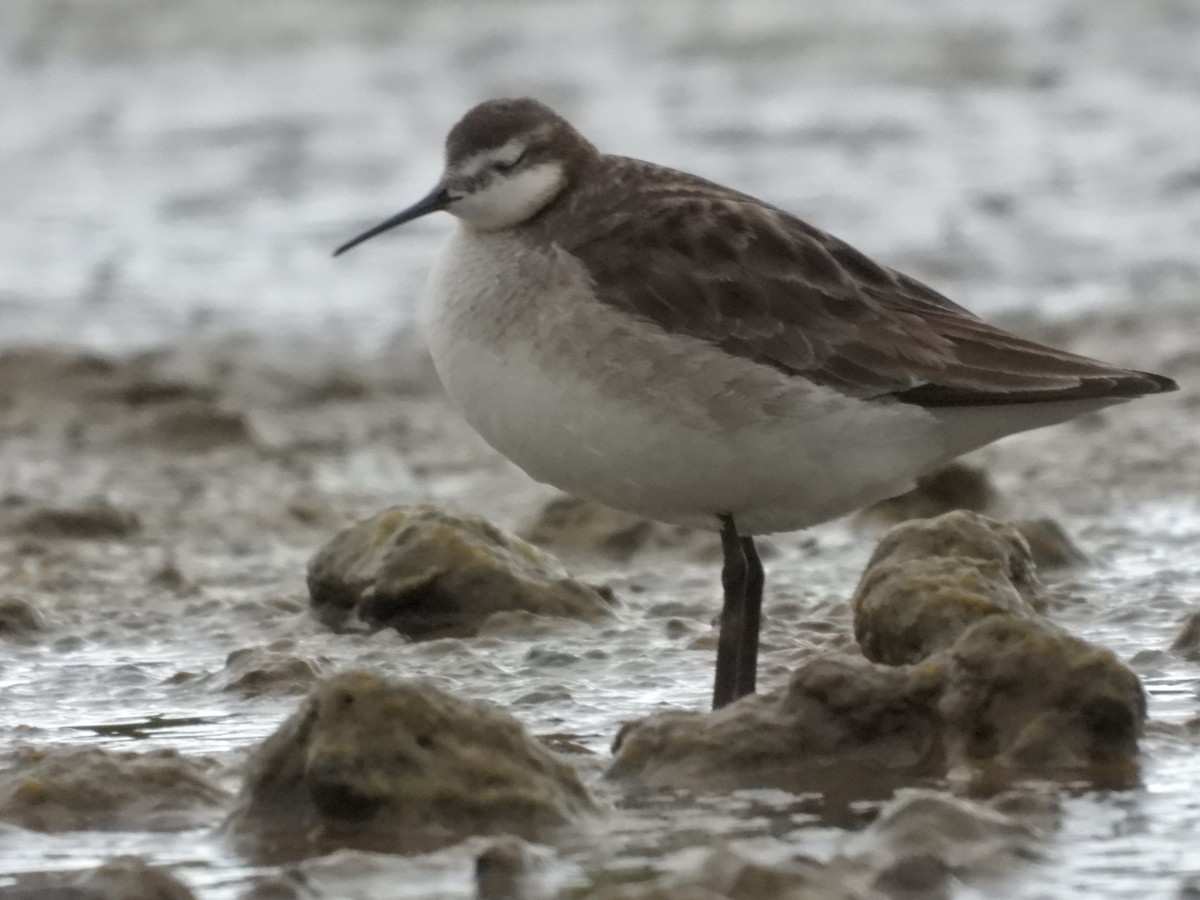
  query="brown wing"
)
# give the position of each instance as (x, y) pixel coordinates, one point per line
(698, 259)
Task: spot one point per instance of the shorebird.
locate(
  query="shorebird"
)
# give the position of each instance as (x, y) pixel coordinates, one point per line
(672, 347)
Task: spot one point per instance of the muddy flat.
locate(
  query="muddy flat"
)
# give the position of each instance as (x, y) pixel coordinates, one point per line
(194, 398)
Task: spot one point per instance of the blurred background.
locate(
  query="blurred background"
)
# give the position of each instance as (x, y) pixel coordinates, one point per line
(186, 167)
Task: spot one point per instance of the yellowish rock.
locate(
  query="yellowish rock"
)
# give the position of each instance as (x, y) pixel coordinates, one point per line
(430, 574)
(402, 766)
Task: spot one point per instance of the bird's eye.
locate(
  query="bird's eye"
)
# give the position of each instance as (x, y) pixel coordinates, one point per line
(508, 166)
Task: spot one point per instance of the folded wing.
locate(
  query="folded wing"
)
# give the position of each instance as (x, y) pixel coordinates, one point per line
(815, 307)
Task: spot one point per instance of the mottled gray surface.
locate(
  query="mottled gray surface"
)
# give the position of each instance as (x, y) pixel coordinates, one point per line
(167, 165)
(172, 174)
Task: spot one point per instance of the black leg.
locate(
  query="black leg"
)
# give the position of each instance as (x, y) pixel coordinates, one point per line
(729, 642)
(747, 669)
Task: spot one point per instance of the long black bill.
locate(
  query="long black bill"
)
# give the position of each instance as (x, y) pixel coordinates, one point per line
(438, 199)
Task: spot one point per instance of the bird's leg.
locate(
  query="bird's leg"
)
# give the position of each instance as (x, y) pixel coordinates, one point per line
(747, 666)
(729, 642)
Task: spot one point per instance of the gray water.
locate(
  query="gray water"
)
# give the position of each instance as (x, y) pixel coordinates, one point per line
(173, 177)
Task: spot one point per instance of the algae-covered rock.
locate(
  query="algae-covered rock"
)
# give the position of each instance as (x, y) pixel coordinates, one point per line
(962, 535)
(1027, 697)
(973, 681)
(405, 767)
(903, 612)
(122, 878)
(930, 580)
(431, 574)
(66, 789)
(840, 720)
(1019, 692)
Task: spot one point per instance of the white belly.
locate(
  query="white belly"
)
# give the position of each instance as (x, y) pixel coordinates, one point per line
(583, 398)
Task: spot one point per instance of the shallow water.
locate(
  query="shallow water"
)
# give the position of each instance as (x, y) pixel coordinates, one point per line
(177, 175)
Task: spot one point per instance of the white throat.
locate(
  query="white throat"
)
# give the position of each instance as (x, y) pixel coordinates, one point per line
(509, 200)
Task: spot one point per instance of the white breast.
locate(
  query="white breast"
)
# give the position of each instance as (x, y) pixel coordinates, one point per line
(583, 397)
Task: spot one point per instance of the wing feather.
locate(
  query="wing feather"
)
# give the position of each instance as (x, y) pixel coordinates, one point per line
(815, 307)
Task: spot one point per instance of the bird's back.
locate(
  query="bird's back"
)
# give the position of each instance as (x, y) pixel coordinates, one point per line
(698, 259)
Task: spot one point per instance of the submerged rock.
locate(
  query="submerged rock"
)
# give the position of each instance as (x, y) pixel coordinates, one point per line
(61, 789)
(1049, 544)
(94, 520)
(724, 874)
(511, 869)
(60, 370)
(122, 878)
(19, 618)
(1187, 644)
(923, 842)
(193, 426)
(404, 767)
(430, 574)
(254, 671)
(965, 677)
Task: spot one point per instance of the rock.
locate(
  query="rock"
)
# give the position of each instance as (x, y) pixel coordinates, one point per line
(737, 878)
(122, 878)
(840, 720)
(39, 370)
(1022, 697)
(403, 767)
(68, 789)
(1187, 644)
(963, 535)
(511, 869)
(724, 874)
(1049, 544)
(663, 889)
(96, 520)
(430, 574)
(260, 670)
(923, 841)
(279, 886)
(976, 684)
(905, 612)
(193, 426)
(574, 526)
(19, 618)
(146, 391)
(501, 870)
(917, 876)
(930, 580)
(955, 485)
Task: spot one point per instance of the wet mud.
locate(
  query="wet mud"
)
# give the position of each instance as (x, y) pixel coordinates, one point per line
(194, 401)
